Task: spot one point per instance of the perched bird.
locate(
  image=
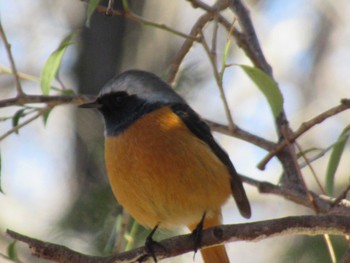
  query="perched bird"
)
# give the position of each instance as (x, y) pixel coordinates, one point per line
(163, 164)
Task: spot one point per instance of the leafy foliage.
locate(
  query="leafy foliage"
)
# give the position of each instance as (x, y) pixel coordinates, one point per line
(267, 86)
(53, 64)
(334, 159)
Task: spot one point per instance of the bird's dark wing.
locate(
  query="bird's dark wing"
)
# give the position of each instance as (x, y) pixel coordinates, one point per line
(199, 128)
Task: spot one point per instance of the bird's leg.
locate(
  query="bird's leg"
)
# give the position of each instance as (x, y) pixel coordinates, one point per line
(197, 234)
(150, 244)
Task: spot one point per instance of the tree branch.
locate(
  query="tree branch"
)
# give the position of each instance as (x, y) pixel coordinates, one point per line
(255, 231)
(21, 125)
(290, 175)
(186, 46)
(53, 100)
(50, 100)
(324, 204)
(251, 38)
(12, 61)
(244, 135)
(130, 15)
(344, 105)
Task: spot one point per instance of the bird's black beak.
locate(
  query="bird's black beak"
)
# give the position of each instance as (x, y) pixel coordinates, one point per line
(91, 105)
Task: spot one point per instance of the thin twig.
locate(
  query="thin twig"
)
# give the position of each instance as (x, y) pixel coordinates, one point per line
(240, 38)
(342, 196)
(308, 163)
(326, 237)
(344, 105)
(325, 204)
(79, 99)
(130, 15)
(219, 83)
(21, 125)
(252, 40)
(214, 39)
(317, 156)
(256, 55)
(24, 76)
(255, 231)
(239, 133)
(186, 46)
(12, 62)
(52, 100)
(299, 174)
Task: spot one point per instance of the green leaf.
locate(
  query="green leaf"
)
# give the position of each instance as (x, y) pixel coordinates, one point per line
(307, 151)
(225, 56)
(46, 116)
(90, 10)
(334, 159)
(53, 64)
(12, 251)
(68, 92)
(16, 118)
(267, 86)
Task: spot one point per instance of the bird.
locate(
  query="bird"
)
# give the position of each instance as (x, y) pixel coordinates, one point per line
(163, 164)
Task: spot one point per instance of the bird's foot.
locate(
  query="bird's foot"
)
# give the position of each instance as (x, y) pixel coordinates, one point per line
(197, 235)
(150, 244)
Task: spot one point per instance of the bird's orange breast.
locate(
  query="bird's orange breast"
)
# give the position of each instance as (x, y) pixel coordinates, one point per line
(163, 174)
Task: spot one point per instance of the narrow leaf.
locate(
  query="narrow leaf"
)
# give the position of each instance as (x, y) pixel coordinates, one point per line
(53, 64)
(267, 86)
(225, 56)
(68, 92)
(90, 10)
(12, 252)
(46, 116)
(307, 151)
(334, 159)
(16, 118)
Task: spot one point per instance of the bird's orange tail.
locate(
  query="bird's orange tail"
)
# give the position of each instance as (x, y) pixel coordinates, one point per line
(215, 254)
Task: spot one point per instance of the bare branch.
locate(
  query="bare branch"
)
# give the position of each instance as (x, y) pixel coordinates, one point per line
(312, 170)
(256, 231)
(12, 61)
(52, 100)
(219, 83)
(130, 15)
(342, 196)
(21, 125)
(252, 40)
(324, 204)
(239, 133)
(240, 38)
(344, 105)
(186, 46)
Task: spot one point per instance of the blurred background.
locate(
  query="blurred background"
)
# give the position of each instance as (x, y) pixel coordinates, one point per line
(53, 176)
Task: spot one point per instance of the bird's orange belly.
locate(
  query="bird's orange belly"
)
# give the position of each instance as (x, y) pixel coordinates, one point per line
(163, 174)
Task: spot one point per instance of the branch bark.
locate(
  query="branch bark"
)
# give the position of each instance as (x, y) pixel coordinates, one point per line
(252, 232)
(50, 100)
(324, 204)
(304, 127)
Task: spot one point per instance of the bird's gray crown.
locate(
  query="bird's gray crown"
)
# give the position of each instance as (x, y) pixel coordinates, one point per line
(144, 85)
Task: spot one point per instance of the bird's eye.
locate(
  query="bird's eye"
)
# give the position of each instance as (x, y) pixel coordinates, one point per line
(119, 99)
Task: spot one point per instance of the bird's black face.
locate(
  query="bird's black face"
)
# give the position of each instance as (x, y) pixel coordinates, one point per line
(130, 95)
(115, 103)
(120, 110)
